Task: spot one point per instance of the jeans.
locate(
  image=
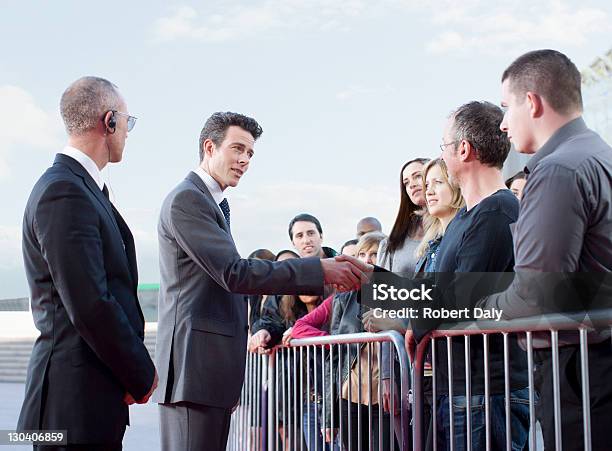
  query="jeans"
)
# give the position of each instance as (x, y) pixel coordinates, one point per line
(519, 425)
(312, 431)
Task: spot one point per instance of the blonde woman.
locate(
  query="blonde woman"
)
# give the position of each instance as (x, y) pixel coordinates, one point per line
(443, 199)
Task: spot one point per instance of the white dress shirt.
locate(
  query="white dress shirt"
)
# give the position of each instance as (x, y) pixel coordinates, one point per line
(84, 160)
(212, 185)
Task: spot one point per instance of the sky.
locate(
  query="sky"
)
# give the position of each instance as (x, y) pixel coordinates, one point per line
(346, 91)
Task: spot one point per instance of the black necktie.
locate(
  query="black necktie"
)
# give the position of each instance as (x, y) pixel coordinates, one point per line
(226, 210)
(105, 192)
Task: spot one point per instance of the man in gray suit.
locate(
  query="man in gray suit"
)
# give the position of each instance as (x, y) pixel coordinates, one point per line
(202, 329)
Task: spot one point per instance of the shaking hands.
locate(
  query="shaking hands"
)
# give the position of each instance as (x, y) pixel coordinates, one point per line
(345, 273)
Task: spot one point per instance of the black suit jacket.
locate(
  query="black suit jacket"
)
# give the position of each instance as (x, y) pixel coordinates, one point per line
(80, 263)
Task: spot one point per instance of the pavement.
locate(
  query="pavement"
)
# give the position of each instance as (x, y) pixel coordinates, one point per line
(143, 434)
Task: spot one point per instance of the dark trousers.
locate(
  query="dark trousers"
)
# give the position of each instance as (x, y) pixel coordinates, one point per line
(364, 434)
(600, 387)
(115, 447)
(186, 426)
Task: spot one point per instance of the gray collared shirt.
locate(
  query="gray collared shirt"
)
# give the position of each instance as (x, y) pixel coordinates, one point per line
(565, 218)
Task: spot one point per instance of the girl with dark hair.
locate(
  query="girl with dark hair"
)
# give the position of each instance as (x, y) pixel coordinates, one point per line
(285, 254)
(398, 252)
(255, 301)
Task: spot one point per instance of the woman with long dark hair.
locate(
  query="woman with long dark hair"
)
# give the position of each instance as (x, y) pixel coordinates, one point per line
(398, 252)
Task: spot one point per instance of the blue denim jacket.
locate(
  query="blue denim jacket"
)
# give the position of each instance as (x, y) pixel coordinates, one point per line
(427, 263)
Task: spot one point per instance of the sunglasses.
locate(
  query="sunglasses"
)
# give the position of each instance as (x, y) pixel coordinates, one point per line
(131, 120)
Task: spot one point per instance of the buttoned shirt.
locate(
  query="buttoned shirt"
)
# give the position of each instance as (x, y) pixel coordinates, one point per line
(212, 185)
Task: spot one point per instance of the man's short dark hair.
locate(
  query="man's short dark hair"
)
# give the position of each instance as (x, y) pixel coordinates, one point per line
(306, 218)
(478, 124)
(549, 74)
(216, 126)
(348, 243)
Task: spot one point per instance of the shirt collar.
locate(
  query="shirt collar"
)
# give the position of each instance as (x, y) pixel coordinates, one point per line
(84, 160)
(573, 127)
(211, 184)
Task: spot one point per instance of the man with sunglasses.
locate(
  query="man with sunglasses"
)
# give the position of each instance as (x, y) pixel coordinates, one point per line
(89, 362)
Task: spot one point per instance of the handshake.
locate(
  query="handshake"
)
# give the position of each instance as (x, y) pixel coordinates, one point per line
(345, 273)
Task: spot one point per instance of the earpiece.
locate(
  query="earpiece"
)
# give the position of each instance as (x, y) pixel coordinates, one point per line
(112, 123)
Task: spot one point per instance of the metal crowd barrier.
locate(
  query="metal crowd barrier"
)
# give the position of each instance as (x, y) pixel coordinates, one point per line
(530, 329)
(274, 402)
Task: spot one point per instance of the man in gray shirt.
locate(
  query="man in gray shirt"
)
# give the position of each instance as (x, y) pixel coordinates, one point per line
(564, 227)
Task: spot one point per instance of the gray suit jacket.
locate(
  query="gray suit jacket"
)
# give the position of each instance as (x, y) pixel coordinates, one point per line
(202, 329)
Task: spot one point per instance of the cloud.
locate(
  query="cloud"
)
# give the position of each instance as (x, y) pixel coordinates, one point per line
(465, 27)
(24, 125)
(235, 21)
(483, 27)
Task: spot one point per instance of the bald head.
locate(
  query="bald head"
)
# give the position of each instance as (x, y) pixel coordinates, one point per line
(367, 225)
(85, 101)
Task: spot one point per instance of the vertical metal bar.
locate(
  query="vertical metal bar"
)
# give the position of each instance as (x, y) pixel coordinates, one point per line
(249, 403)
(392, 402)
(308, 395)
(507, 392)
(554, 335)
(434, 406)
(371, 440)
(284, 392)
(295, 397)
(264, 418)
(468, 392)
(277, 402)
(252, 401)
(331, 393)
(350, 396)
(260, 398)
(380, 399)
(451, 412)
(316, 391)
(359, 399)
(302, 397)
(485, 339)
(324, 399)
(532, 415)
(254, 427)
(586, 400)
(240, 413)
(339, 372)
(245, 410)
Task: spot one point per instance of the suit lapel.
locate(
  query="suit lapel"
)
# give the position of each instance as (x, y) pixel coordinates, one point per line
(79, 170)
(197, 181)
(120, 225)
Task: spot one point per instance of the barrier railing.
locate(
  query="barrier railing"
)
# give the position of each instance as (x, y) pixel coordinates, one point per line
(331, 383)
(545, 327)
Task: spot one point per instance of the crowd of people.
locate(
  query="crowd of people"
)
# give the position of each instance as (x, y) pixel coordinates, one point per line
(456, 215)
